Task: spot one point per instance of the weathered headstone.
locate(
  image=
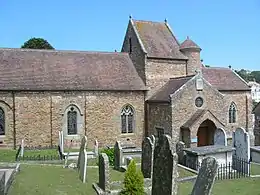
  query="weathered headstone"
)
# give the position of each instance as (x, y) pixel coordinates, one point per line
(22, 148)
(220, 137)
(128, 160)
(147, 157)
(165, 174)
(241, 142)
(152, 137)
(83, 166)
(82, 147)
(61, 141)
(104, 177)
(179, 150)
(2, 182)
(96, 148)
(118, 154)
(206, 177)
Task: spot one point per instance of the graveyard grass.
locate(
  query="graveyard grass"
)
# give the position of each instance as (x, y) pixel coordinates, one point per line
(53, 180)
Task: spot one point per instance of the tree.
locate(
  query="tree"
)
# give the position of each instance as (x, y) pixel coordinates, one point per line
(134, 181)
(37, 43)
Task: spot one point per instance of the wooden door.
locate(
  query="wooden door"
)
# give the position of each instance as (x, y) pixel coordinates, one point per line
(202, 136)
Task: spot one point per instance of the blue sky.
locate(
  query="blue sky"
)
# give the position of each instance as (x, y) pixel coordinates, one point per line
(228, 31)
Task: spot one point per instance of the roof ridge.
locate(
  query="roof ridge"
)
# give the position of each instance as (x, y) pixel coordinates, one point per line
(148, 21)
(62, 51)
(217, 67)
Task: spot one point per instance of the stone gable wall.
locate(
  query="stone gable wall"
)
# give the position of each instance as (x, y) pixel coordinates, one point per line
(39, 116)
(158, 72)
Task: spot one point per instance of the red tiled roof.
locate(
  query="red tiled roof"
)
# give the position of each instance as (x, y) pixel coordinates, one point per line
(24, 69)
(158, 40)
(224, 79)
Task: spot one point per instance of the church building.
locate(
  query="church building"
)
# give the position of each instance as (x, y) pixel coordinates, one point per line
(154, 85)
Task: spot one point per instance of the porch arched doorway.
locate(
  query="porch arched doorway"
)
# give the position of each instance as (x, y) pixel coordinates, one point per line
(205, 133)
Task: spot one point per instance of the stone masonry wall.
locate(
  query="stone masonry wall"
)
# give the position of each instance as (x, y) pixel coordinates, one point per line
(159, 115)
(158, 72)
(137, 55)
(194, 62)
(39, 116)
(183, 106)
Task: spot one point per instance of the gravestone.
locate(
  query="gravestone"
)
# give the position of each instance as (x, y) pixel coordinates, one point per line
(165, 174)
(206, 177)
(180, 152)
(2, 182)
(61, 141)
(147, 157)
(118, 154)
(128, 160)
(241, 142)
(22, 148)
(220, 137)
(96, 148)
(83, 146)
(152, 139)
(104, 176)
(83, 166)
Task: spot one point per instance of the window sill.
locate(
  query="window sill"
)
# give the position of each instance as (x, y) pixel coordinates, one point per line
(2, 136)
(127, 134)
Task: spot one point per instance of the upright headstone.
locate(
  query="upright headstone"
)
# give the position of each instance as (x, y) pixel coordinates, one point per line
(83, 166)
(180, 152)
(206, 177)
(96, 148)
(118, 154)
(22, 148)
(104, 177)
(2, 182)
(165, 174)
(128, 160)
(220, 137)
(152, 139)
(147, 157)
(82, 147)
(241, 142)
(61, 141)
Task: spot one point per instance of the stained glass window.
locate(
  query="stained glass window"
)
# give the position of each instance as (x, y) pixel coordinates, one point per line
(2, 122)
(127, 119)
(232, 113)
(72, 122)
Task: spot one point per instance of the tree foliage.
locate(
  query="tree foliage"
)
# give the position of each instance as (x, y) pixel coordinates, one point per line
(37, 43)
(134, 181)
(249, 75)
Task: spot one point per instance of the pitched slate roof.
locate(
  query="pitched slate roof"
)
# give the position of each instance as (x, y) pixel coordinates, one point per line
(158, 40)
(224, 79)
(163, 94)
(23, 69)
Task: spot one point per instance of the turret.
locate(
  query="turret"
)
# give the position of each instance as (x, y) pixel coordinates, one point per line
(192, 51)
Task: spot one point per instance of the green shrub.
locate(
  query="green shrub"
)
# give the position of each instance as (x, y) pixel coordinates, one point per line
(134, 181)
(110, 154)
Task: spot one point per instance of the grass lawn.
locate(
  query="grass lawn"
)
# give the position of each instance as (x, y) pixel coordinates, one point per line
(243, 186)
(7, 155)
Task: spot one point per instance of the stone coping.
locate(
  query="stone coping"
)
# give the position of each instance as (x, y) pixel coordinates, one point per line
(203, 150)
(255, 148)
(132, 150)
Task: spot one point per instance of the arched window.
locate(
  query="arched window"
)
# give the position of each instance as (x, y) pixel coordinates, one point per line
(72, 121)
(232, 113)
(127, 119)
(2, 121)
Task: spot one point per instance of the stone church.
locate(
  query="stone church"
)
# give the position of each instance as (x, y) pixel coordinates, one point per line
(154, 85)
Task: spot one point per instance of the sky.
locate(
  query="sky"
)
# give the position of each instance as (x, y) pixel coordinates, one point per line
(228, 31)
